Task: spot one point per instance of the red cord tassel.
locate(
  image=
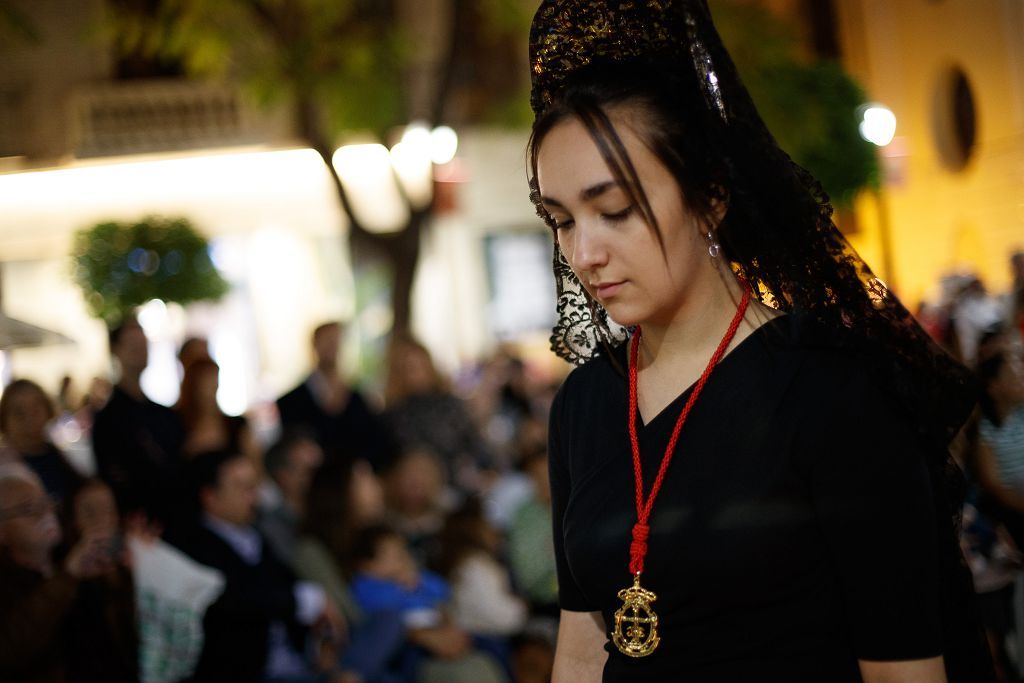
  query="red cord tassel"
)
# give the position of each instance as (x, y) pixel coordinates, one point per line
(638, 548)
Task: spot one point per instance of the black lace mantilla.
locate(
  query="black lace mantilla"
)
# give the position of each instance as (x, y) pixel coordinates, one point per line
(778, 233)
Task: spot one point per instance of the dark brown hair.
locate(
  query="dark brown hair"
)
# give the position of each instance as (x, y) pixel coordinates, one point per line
(328, 517)
(462, 536)
(22, 386)
(188, 403)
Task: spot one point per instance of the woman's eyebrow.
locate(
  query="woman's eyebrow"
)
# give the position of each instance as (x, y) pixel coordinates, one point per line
(597, 190)
(587, 194)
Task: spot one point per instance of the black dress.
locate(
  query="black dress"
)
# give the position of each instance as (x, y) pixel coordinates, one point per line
(795, 532)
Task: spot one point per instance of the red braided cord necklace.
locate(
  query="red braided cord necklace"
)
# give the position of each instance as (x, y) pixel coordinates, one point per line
(638, 548)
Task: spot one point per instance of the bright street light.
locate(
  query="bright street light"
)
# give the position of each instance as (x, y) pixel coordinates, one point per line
(377, 178)
(444, 143)
(878, 124)
(366, 173)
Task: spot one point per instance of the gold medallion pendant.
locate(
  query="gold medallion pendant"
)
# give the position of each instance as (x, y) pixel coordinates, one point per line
(636, 624)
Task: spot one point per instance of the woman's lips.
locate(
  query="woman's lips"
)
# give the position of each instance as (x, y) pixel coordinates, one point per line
(605, 290)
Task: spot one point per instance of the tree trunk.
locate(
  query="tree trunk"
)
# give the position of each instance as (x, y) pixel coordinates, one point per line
(399, 250)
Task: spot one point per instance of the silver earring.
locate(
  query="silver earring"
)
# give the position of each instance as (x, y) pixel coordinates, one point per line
(713, 246)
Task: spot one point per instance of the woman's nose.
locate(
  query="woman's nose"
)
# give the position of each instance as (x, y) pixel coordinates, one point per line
(589, 249)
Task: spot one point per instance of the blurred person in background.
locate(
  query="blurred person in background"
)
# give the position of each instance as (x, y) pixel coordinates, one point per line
(531, 549)
(993, 515)
(482, 600)
(499, 402)
(1015, 297)
(37, 593)
(336, 412)
(191, 350)
(974, 312)
(416, 501)
(387, 578)
(137, 442)
(995, 563)
(514, 487)
(207, 427)
(25, 414)
(344, 498)
(93, 401)
(290, 464)
(422, 412)
(266, 621)
(1000, 448)
(101, 625)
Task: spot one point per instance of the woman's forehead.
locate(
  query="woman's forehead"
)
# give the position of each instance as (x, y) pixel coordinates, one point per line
(570, 163)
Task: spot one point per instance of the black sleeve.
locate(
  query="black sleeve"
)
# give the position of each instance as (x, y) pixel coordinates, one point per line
(872, 495)
(570, 596)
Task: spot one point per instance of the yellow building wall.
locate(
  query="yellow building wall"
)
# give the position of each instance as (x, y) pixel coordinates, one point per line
(942, 220)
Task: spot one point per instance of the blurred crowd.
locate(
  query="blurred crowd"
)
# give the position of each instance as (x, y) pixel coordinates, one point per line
(409, 541)
(391, 541)
(986, 332)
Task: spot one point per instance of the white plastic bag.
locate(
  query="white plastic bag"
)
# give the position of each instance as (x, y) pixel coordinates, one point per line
(172, 592)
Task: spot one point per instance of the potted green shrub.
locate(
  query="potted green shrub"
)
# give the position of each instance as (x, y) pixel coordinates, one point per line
(122, 265)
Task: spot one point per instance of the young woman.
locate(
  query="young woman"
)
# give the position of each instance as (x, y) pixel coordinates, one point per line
(423, 412)
(748, 470)
(206, 426)
(25, 413)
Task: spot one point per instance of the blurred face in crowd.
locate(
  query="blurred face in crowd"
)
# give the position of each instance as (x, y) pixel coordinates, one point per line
(193, 349)
(27, 411)
(326, 343)
(1017, 265)
(207, 385)
(132, 348)
(393, 562)
(233, 500)
(366, 494)
(418, 369)
(28, 524)
(295, 478)
(415, 484)
(94, 510)
(1008, 386)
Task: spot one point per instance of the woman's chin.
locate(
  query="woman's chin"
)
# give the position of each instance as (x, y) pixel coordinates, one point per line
(621, 316)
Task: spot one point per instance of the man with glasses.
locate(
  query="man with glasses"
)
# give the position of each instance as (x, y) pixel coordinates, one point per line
(36, 594)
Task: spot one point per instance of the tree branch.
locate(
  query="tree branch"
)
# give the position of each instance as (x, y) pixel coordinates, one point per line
(446, 80)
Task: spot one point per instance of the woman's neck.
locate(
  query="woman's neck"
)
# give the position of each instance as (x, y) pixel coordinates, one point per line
(696, 328)
(674, 356)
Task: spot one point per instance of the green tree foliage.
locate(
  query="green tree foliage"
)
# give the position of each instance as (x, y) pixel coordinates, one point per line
(810, 106)
(120, 266)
